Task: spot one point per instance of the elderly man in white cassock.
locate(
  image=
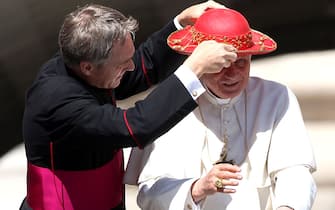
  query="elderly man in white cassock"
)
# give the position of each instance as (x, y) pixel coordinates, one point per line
(244, 147)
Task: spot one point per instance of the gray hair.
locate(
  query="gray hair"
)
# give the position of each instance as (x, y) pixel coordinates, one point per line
(88, 33)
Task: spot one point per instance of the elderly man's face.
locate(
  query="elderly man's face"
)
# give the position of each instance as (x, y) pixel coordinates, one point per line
(229, 82)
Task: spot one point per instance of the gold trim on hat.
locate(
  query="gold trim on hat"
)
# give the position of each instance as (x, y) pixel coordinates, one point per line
(243, 43)
(240, 42)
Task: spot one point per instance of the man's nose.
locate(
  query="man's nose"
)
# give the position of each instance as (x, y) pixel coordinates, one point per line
(230, 71)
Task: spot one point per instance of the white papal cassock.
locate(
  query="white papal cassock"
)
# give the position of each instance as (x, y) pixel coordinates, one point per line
(266, 137)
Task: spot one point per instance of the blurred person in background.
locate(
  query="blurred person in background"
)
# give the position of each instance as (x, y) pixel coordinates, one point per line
(72, 129)
(244, 147)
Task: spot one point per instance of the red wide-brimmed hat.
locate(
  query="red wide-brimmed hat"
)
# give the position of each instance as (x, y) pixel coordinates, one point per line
(224, 26)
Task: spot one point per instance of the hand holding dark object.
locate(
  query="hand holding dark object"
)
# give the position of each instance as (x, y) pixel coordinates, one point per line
(219, 179)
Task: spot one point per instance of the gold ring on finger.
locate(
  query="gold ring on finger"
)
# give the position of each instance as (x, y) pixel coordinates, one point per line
(219, 184)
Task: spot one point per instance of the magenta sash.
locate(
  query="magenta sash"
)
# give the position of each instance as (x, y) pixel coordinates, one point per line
(100, 188)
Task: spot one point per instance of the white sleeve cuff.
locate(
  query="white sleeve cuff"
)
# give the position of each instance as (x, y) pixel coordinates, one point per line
(189, 203)
(190, 81)
(295, 187)
(177, 24)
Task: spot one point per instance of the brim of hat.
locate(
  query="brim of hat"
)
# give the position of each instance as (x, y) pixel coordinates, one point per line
(181, 41)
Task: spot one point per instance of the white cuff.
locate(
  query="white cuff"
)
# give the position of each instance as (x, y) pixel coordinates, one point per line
(177, 24)
(295, 187)
(189, 203)
(190, 81)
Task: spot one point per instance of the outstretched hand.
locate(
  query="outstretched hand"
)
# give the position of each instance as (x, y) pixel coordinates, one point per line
(190, 14)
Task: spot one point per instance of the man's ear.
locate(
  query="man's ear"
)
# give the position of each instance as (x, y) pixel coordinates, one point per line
(86, 68)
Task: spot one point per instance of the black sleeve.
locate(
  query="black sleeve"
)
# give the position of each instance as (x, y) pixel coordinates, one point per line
(68, 113)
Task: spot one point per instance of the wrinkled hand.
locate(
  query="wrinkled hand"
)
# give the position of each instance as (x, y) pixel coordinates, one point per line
(206, 185)
(190, 14)
(211, 57)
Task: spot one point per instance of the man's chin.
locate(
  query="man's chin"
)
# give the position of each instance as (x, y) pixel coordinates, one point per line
(114, 85)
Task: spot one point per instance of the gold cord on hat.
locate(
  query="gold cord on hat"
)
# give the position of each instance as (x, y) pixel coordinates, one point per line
(240, 42)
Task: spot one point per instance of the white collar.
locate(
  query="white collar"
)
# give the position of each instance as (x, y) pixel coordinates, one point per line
(220, 101)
